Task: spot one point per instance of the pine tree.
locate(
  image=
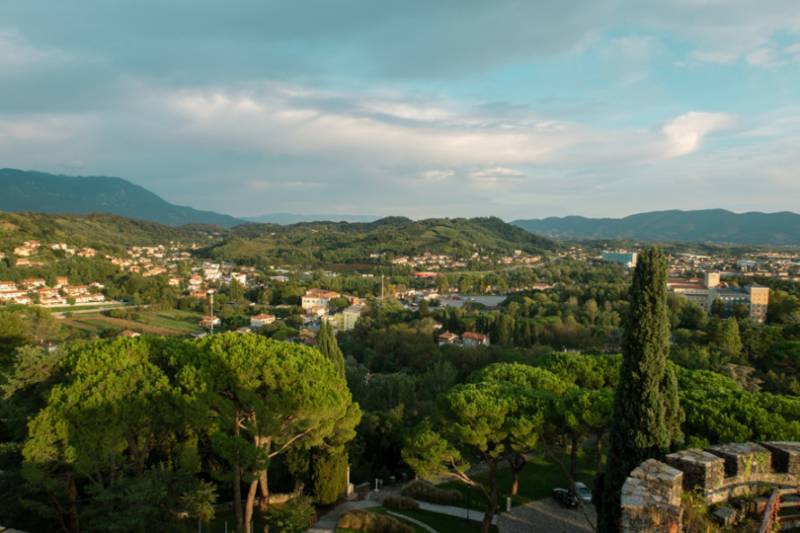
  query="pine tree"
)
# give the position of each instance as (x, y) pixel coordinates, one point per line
(647, 415)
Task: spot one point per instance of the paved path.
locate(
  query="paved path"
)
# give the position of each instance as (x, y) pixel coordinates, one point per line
(423, 525)
(327, 524)
(546, 516)
(459, 512)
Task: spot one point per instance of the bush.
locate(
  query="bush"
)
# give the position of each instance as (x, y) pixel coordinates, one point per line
(400, 503)
(296, 516)
(373, 523)
(428, 492)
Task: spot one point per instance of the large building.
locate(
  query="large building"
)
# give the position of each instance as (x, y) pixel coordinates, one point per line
(704, 293)
(317, 298)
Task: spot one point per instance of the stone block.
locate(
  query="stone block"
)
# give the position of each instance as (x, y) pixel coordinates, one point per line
(743, 459)
(726, 516)
(785, 457)
(700, 468)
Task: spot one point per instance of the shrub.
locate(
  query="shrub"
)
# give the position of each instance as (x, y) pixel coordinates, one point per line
(400, 503)
(428, 492)
(373, 523)
(295, 516)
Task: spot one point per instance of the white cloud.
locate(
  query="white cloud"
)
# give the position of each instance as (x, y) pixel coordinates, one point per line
(684, 134)
(436, 174)
(17, 53)
(764, 58)
(496, 172)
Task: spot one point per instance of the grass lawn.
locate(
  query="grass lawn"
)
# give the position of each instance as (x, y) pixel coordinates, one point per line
(539, 477)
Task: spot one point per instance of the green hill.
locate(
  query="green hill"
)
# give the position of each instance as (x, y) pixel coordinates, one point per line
(343, 242)
(39, 192)
(99, 231)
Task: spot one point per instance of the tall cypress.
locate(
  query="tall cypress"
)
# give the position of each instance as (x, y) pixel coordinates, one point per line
(647, 415)
(326, 342)
(329, 465)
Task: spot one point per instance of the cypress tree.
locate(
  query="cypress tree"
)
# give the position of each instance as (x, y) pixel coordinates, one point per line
(329, 466)
(647, 415)
(326, 342)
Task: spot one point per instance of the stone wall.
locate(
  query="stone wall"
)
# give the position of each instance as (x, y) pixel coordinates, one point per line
(651, 496)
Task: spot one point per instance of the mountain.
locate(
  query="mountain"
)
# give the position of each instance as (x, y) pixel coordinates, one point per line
(295, 218)
(709, 225)
(49, 193)
(346, 242)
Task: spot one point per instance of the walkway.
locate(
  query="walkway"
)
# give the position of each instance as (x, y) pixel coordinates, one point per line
(423, 525)
(327, 524)
(458, 512)
(546, 515)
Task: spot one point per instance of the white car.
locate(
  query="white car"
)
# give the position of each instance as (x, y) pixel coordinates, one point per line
(583, 492)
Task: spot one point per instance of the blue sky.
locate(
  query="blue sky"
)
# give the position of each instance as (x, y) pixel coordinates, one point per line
(518, 109)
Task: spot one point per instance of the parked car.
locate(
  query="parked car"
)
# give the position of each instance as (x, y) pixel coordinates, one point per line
(565, 497)
(583, 492)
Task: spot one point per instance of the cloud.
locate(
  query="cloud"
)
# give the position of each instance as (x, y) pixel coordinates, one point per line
(684, 134)
(436, 174)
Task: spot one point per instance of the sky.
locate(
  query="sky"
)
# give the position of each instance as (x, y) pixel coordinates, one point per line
(517, 109)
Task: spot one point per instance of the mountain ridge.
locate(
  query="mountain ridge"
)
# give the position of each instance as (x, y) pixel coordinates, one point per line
(719, 226)
(41, 192)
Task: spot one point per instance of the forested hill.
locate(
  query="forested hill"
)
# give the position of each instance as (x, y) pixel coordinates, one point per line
(348, 242)
(50, 193)
(710, 225)
(108, 231)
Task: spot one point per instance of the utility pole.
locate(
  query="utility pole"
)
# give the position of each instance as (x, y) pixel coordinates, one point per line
(211, 308)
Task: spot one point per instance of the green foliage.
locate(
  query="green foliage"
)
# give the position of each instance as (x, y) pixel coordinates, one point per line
(326, 342)
(718, 410)
(647, 414)
(360, 520)
(329, 474)
(326, 242)
(403, 503)
(425, 491)
(296, 516)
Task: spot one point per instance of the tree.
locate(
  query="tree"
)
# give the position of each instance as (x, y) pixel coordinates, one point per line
(478, 422)
(647, 414)
(326, 342)
(724, 338)
(329, 463)
(269, 397)
(537, 381)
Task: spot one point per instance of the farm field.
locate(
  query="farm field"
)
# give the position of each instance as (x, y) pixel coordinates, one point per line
(153, 322)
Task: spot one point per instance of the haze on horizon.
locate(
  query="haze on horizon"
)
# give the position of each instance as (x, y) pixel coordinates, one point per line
(452, 108)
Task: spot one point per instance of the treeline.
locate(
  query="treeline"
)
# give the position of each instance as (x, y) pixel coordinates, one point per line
(153, 434)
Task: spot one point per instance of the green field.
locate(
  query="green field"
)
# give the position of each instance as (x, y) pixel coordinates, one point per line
(154, 322)
(537, 480)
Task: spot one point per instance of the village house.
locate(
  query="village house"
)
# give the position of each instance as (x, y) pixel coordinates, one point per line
(8, 285)
(318, 298)
(209, 321)
(33, 283)
(471, 339)
(87, 252)
(61, 281)
(261, 320)
(447, 337)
